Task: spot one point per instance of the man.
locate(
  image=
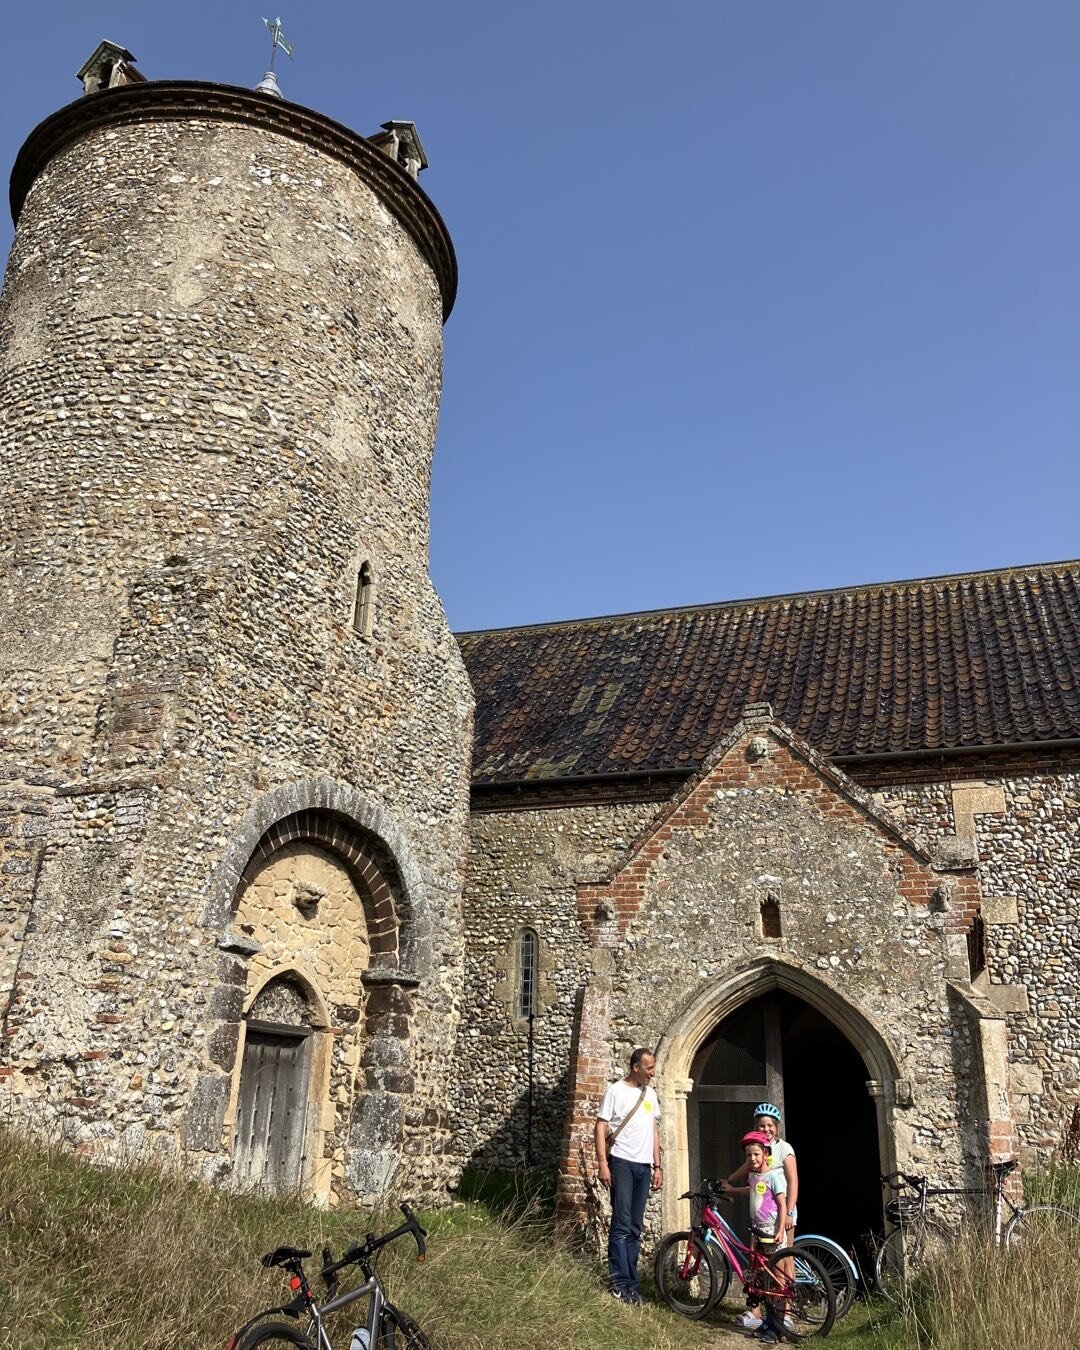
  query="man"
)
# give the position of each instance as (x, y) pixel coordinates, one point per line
(628, 1159)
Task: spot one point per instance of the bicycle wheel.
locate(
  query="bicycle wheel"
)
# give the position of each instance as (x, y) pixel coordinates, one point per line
(400, 1332)
(905, 1254)
(1049, 1230)
(837, 1265)
(687, 1275)
(272, 1333)
(800, 1297)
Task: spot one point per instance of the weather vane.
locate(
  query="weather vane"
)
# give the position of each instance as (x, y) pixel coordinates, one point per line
(280, 40)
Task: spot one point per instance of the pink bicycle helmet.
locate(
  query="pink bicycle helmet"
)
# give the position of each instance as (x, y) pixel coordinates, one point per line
(756, 1137)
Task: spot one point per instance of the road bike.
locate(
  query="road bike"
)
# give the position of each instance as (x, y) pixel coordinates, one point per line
(920, 1239)
(386, 1328)
(693, 1270)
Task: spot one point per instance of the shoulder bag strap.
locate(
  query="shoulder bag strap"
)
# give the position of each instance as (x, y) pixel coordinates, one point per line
(622, 1123)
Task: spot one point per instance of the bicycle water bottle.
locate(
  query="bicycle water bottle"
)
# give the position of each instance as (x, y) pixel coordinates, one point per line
(360, 1339)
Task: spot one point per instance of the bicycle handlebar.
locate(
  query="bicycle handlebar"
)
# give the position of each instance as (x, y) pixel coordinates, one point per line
(360, 1253)
(898, 1180)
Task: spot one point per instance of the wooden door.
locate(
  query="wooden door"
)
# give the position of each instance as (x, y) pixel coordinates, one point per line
(271, 1115)
(738, 1067)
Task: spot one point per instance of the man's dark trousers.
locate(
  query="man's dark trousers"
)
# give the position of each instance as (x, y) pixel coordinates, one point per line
(629, 1191)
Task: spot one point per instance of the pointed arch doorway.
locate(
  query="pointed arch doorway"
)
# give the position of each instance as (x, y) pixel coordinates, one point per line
(777, 1047)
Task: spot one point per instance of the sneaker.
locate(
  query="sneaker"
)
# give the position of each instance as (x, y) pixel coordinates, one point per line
(767, 1336)
(749, 1321)
(617, 1293)
(634, 1299)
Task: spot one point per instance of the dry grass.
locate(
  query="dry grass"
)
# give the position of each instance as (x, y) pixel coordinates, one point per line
(138, 1258)
(1018, 1298)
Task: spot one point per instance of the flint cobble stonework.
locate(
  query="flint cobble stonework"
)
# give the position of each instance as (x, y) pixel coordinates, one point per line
(235, 735)
(871, 925)
(220, 374)
(1029, 864)
(523, 870)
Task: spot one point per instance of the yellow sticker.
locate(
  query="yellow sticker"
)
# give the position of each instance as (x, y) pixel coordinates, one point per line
(647, 1105)
(761, 1188)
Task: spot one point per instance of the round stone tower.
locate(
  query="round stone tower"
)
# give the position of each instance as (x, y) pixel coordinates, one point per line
(235, 728)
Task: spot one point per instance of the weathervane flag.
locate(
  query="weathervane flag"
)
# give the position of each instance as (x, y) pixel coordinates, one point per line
(275, 32)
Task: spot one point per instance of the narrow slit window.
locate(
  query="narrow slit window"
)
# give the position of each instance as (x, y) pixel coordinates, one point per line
(770, 917)
(976, 945)
(364, 610)
(528, 952)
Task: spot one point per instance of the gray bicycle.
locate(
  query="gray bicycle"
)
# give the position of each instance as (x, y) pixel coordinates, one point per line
(920, 1239)
(386, 1327)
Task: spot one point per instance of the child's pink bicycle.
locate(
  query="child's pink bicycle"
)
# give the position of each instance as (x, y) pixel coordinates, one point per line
(693, 1270)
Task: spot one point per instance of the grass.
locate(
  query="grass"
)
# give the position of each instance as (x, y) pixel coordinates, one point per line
(139, 1258)
(983, 1296)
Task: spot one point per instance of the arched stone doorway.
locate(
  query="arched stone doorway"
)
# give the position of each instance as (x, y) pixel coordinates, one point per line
(795, 1039)
(777, 1047)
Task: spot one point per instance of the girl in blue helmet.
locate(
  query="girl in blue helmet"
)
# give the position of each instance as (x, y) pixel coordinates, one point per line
(781, 1158)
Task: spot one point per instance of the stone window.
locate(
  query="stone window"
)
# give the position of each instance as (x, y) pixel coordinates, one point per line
(528, 966)
(976, 945)
(364, 606)
(770, 918)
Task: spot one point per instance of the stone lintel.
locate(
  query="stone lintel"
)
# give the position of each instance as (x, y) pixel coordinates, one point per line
(239, 943)
(375, 978)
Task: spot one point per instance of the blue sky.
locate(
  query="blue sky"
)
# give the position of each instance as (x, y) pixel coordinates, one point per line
(756, 296)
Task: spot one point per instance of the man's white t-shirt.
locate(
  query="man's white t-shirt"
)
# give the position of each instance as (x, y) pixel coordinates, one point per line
(635, 1141)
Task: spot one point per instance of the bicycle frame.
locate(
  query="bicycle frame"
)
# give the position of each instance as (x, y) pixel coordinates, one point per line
(925, 1192)
(375, 1308)
(291, 1259)
(720, 1233)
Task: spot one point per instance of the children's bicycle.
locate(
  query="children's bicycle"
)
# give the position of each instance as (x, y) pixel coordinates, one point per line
(693, 1270)
(920, 1239)
(386, 1328)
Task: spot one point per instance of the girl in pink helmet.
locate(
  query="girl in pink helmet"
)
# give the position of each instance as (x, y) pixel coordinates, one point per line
(782, 1158)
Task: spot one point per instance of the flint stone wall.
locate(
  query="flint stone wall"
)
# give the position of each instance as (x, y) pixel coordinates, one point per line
(857, 918)
(523, 869)
(1028, 847)
(221, 361)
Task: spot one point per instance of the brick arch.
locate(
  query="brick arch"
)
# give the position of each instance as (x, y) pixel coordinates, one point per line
(357, 825)
(371, 869)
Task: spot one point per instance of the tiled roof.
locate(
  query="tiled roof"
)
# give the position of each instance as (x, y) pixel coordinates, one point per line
(980, 659)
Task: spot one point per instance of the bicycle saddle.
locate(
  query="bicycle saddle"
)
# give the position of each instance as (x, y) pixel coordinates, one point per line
(1003, 1169)
(280, 1255)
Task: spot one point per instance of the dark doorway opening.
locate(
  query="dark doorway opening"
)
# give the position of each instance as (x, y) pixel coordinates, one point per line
(778, 1048)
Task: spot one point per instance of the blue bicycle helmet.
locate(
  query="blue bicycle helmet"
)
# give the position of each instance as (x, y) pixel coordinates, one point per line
(767, 1109)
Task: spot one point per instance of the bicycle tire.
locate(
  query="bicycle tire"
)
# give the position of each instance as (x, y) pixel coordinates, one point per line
(400, 1332)
(687, 1275)
(802, 1306)
(905, 1253)
(1044, 1223)
(270, 1334)
(837, 1265)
